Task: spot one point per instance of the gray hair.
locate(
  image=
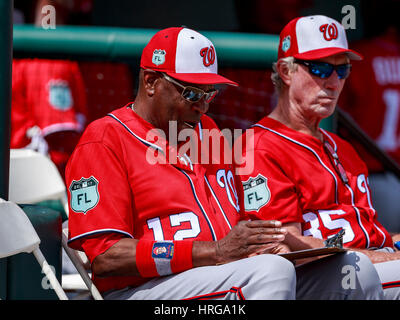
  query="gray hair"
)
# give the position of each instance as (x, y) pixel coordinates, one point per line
(276, 78)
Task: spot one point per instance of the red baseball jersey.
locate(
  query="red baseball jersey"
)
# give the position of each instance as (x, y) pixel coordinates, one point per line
(49, 94)
(125, 180)
(21, 115)
(372, 97)
(296, 179)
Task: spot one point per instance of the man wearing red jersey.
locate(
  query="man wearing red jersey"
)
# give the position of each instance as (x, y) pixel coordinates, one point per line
(48, 107)
(309, 179)
(146, 214)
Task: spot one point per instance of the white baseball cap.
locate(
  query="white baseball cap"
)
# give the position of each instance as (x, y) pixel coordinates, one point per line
(314, 37)
(185, 55)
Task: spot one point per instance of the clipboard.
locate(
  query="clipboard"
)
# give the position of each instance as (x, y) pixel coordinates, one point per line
(332, 245)
(308, 253)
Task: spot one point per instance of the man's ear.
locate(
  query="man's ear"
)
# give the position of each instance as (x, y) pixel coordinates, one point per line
(284, 71)
(150, 79)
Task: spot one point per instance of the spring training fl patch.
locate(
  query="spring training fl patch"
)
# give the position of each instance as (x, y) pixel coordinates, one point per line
(84, 194)
(60, 96)
(256, 193)
(158, 57)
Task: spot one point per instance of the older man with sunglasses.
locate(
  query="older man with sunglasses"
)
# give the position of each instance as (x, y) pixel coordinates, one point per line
(154, 223)
(313, 181)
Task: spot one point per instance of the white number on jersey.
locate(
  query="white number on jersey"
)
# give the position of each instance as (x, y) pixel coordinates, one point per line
(328, 223)
(388, 139)
(226, 180)
(175, 221)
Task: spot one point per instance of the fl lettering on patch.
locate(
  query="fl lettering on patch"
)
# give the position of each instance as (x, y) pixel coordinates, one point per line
(84, 194)
(256, 193)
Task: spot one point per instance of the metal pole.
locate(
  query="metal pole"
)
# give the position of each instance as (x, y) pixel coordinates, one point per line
(6, 29)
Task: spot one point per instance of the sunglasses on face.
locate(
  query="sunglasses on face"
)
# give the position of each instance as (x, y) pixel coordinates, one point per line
(192, 94)
(324, 70)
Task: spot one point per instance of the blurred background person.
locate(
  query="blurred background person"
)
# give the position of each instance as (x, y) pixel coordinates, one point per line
(372, 98)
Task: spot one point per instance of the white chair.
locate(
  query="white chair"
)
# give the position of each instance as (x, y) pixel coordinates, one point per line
(35, 178)
(18, 235)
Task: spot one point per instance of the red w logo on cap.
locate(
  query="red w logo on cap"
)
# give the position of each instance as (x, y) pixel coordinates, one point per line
(330, 31)
(208, 54)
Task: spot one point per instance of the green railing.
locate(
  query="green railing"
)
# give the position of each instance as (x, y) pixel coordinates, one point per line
(234, 49)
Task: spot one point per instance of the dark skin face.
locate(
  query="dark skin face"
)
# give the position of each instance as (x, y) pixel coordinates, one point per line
(160, 101)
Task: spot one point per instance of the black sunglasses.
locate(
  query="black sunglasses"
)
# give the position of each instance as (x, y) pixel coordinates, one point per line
(192, 94)
(324, 70)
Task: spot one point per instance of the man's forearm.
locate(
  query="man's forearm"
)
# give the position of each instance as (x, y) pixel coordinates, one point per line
(379, 256)
(299, 242)
(204, 253)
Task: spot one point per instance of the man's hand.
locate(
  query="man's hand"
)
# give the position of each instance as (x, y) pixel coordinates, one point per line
(396, 237)
(249, 238)
(280, 248)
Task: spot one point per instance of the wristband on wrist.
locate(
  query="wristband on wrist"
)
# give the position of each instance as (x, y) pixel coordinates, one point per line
(397, 245)
(162, 258)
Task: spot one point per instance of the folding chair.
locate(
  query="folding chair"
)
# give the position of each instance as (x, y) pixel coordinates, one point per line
(35, 178)
(79, 259)
(18, 235)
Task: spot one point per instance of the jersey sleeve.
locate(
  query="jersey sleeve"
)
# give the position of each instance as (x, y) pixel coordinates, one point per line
(268, 193)
(94, 246)
(100, 200)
